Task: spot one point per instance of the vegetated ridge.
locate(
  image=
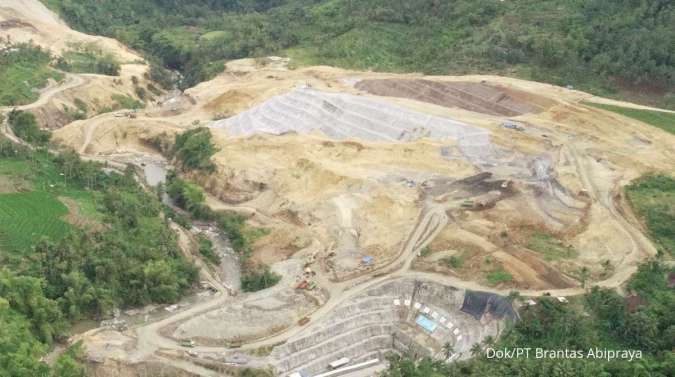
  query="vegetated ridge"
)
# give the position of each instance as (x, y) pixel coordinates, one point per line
(615, 48)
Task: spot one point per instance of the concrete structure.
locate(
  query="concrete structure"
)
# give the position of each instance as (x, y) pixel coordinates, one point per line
(371, 325)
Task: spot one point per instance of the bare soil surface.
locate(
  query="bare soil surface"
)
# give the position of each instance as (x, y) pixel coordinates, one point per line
(30, 20)
(477, 97)
(329, 200)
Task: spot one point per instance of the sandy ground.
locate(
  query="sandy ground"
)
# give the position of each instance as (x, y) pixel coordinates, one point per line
(41, 26)
(360, 195)
(343, 199)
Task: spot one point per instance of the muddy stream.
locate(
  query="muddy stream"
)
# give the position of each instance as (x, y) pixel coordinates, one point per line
(154, 172)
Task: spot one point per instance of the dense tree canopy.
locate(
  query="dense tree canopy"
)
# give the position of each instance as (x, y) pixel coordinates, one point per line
(128, 256)
(194, 149)
(25, 126)
(595, 44)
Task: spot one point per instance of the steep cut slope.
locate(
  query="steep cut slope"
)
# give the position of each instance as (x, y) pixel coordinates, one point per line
(78, 95)
(30, 20)
(343, 116)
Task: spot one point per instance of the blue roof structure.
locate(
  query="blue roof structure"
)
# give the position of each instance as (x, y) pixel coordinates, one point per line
(426, 323)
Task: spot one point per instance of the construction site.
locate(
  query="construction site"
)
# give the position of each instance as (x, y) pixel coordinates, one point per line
(401, 210)
(399, 222)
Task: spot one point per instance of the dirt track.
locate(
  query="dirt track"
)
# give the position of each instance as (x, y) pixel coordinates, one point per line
(71, 81)
(430, 223)
(150, 338)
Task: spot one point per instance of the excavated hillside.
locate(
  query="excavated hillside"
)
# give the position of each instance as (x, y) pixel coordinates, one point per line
(24, 21)
(343, 165)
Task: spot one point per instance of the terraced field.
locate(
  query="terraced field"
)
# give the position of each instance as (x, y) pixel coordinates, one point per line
(25, 217)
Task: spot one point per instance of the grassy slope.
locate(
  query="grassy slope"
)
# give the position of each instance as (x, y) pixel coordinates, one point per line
(660, 119)
(550, 247)
(21, 76)
(653, 198)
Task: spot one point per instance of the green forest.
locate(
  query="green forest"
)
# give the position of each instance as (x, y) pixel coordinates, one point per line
(75, 242)
(614, 48)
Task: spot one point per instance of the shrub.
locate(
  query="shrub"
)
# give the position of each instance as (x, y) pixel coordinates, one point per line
(126, 102)
(498, 277)
(207, 251)
(25, 126)
(258, 278)
(194, 149)
(88, 58)
(453, 262)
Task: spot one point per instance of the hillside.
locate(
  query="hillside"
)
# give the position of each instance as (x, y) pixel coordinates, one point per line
(61, 75)
(617, 48)
(478, 182)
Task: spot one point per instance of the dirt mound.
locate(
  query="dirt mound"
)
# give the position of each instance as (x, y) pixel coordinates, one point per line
(472, 96)
(108, 134)
(230, 102)
(350, 197)
(30, 20)
(14, 23)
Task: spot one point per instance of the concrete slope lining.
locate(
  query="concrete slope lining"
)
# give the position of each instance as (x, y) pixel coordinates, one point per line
(346, 116)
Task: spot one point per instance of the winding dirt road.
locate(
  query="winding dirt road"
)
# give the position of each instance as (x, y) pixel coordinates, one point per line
(71, 81)
(432, 220)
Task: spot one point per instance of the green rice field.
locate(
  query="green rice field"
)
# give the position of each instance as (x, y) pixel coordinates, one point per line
(36, 211)
(25, 217)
